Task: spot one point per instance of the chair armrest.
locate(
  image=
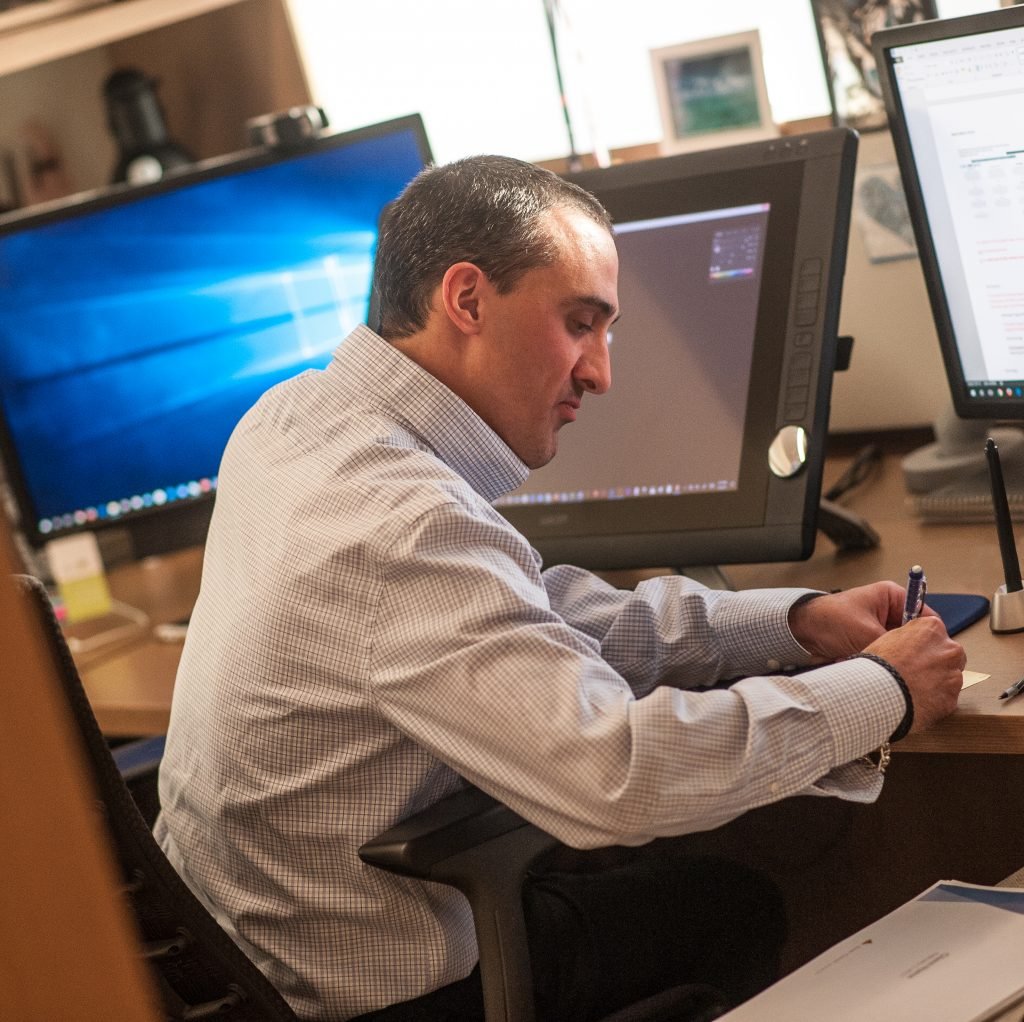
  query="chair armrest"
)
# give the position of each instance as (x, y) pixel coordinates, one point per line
(479, 846)
(418, 846)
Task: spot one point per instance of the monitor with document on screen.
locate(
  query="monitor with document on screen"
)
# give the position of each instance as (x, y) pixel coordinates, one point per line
(953, 90)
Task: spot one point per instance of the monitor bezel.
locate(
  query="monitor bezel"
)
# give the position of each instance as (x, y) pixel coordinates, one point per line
(769, 518)
(184, 523)
(884, 42)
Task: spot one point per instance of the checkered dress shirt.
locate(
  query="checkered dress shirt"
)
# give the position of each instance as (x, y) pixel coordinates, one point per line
(370, 631)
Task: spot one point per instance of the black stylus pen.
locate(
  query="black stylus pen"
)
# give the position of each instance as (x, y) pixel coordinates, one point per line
(1014, 690)
(1004, 525)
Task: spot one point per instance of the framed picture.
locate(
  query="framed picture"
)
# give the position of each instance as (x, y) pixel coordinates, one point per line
(712, 92)
(845, 28)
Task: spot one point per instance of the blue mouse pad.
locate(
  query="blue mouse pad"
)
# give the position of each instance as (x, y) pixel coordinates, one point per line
(957, 610)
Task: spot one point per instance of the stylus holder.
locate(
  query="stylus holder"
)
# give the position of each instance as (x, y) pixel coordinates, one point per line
(1007, 611)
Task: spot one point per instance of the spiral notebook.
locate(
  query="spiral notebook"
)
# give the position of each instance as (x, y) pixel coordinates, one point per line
(967, 500)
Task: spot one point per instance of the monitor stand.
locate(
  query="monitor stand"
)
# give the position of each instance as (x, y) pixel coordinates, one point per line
(847, 529)
(957, 457)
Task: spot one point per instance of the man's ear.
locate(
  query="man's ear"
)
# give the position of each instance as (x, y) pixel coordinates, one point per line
(464, 288)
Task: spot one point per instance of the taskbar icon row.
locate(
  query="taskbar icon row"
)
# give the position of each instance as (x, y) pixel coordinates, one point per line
(116, 509)
(617, 493)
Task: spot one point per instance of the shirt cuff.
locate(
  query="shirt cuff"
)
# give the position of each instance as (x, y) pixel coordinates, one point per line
(753, 626)
(853, 782)
(903, 729)
(861, 703)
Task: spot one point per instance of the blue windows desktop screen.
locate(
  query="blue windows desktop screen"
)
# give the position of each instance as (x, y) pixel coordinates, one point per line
(137, 328)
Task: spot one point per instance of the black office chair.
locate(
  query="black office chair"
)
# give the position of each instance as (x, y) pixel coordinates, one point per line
(467, 840)
(200, 971)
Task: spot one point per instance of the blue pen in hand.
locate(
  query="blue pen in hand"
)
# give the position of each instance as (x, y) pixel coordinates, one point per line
(917, 586)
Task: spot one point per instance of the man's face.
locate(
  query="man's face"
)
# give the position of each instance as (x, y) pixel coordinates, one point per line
(545, 343)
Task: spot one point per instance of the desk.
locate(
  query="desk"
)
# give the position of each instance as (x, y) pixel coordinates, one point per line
(953, 803)
(130, 685)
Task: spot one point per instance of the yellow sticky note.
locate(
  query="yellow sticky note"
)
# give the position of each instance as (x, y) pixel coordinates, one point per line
(77, 568)
(87, 598)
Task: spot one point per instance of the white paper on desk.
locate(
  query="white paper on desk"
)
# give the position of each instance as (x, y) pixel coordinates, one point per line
(973, 677)
(953, 954)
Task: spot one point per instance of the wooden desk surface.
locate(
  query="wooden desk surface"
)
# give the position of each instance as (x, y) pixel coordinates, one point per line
(131, 688)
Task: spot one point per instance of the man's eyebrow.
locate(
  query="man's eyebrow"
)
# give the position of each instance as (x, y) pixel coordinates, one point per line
(605, 308)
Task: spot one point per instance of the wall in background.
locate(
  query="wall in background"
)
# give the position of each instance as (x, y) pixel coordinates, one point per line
(482, 75)
(896, 378)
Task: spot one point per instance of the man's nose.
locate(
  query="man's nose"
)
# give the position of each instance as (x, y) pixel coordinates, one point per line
(594, 369)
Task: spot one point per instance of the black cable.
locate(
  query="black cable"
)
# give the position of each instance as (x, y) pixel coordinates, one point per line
(867, 459)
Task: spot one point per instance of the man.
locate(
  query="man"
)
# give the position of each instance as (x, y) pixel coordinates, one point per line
(370, 631)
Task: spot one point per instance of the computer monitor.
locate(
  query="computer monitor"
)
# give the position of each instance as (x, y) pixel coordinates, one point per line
(954, 90)
(137, 325)
(731, 262)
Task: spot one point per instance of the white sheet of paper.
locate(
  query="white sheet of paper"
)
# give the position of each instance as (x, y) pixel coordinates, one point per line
(973, 677)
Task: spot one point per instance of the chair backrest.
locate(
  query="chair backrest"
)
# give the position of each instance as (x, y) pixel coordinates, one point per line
(201, 972)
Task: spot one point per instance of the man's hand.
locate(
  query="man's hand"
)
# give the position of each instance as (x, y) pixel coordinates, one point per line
(832, 627)
(868, 620)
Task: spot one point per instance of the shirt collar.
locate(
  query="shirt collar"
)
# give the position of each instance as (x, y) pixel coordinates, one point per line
(380, 375)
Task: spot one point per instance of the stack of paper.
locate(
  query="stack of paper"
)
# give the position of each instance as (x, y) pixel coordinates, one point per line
(953, 954)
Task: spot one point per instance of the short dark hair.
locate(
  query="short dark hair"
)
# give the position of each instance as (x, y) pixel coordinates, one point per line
(486, 210)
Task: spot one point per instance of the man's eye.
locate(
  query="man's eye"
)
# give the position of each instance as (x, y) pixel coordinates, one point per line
(580, 327)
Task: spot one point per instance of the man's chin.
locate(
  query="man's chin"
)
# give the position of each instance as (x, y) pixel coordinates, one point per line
(541, 458)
